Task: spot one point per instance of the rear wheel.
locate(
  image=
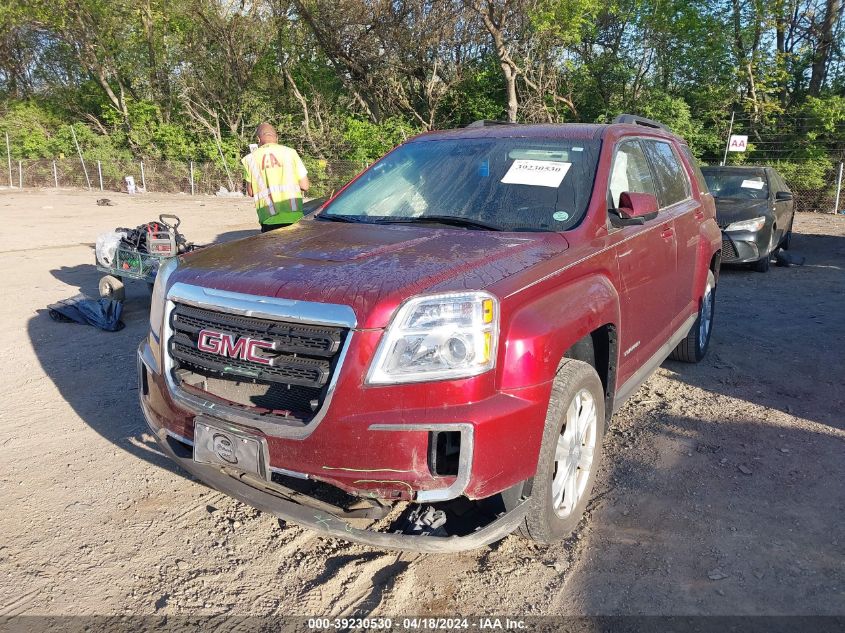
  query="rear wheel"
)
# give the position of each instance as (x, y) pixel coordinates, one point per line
(693, 348)
(112, 288)
(569, 455)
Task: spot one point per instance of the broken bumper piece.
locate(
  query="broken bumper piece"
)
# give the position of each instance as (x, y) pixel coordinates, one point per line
(314, 514)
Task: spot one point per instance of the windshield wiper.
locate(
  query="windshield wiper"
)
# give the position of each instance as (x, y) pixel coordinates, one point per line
(341, 218)
(443, 219)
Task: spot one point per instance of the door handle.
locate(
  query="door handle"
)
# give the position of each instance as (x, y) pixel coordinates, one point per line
(667, 232)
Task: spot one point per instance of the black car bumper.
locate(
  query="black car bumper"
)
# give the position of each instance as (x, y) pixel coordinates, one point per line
(741, 247)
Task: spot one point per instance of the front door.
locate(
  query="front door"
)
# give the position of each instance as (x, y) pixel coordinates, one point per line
(645, 257)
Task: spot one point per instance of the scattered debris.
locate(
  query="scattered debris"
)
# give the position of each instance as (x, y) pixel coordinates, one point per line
(784, 450)
(708, 448)
(426, 521)
(225, 193)
(104, 202)
(787, 259)
(745, 470)
(717, 574)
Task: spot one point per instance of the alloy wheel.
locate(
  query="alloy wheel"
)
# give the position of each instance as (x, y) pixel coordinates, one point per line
(574, 454)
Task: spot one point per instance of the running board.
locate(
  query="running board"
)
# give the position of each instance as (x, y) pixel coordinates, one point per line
(643, 373)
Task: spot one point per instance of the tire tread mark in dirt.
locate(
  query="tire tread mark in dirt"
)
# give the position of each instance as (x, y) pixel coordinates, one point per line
(368, 599)
(312, 597)
(19, 604)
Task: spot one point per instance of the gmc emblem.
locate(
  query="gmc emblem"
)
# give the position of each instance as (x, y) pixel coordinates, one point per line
(233, 346)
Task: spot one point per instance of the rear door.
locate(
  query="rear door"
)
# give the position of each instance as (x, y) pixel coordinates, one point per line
(678, 206)
(645, 255)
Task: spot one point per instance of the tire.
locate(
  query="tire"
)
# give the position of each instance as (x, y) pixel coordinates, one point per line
(549, 520)
(693, 348)
(762, 264)
(112, 288)
(787, 238)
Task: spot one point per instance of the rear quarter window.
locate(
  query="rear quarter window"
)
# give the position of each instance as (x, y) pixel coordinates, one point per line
(673, 185)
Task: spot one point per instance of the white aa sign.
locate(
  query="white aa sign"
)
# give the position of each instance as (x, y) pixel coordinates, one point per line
(738, 143)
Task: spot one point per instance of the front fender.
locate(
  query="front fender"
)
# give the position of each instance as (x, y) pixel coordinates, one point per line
(540, 331)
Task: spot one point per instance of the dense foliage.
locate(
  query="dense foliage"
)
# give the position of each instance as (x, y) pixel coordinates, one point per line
(175, 79)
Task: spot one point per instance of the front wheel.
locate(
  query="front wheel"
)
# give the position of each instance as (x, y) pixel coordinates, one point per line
(693, 348)
(570, 453)
(787, 238)
(762, 265)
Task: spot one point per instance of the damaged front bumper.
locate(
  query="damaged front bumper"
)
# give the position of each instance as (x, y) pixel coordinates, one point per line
(744, 247)
(287, 504)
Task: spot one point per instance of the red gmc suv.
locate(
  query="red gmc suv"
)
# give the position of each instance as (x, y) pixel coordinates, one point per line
(430, 360)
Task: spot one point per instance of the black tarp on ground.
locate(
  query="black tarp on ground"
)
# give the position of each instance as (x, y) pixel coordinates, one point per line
(101, 313)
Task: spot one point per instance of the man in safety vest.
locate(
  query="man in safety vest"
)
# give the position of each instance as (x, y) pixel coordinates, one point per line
(276, 179)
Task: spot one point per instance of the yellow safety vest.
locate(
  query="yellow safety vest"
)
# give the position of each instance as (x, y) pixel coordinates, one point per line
(274, 171)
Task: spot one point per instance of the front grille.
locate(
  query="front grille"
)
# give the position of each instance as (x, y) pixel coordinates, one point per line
(728, 250)
(300, 360)
(291, 370)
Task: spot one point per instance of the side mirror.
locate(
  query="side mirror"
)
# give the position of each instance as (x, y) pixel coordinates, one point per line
(783, 195)
(634, 209)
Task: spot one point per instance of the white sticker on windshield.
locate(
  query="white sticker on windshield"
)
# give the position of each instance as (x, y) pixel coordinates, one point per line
(539, 173)
(752, 184)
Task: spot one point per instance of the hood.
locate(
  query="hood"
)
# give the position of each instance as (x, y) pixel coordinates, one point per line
(369, 267)
(729, 210)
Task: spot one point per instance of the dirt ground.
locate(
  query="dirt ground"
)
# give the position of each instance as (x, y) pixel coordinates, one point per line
(722, 491)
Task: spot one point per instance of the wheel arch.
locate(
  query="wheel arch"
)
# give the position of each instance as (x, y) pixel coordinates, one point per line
(599, 349)
(578, 318)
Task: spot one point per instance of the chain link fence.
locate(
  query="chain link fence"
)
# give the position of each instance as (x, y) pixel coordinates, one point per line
(815, 186)
(162, 176)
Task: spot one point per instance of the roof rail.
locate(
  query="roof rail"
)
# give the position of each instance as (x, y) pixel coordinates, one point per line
(488, 123)
(639, 120)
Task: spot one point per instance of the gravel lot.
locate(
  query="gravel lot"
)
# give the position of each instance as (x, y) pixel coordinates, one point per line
(722, 493)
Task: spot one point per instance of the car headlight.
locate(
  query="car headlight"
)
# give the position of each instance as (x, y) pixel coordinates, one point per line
(747, 225)
(165, 269)
(437, 337)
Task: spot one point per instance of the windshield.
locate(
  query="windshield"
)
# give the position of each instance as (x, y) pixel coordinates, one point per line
(506, 184)
(741, 184)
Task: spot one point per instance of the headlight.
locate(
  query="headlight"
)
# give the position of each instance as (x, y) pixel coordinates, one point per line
(747, 225)
(437, 337)
(166, 269)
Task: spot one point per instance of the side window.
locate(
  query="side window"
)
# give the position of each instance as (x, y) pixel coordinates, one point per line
(696, 170)
(774, 182)
(672, 182)
(779, 183)
(630, 172)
